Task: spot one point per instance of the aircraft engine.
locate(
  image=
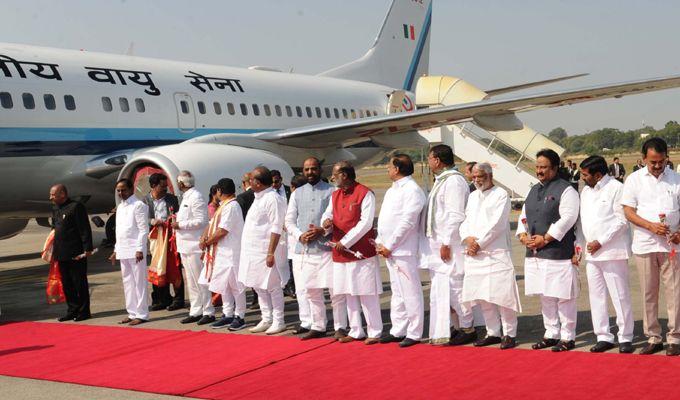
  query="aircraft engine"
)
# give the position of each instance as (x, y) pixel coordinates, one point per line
(208, 162)
(11, 227)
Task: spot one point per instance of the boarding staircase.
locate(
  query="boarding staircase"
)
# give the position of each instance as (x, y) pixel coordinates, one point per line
(511, 153)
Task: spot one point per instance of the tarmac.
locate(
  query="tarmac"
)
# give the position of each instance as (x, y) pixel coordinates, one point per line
(22, 298)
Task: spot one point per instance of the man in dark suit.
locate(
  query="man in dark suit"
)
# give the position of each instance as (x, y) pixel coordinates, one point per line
(617, 170)
(278, 186)
(161, 205)
(245, 199)
(72, 246)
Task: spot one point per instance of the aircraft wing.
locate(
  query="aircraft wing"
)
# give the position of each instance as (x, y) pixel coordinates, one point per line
(514, 88)
(337, 133)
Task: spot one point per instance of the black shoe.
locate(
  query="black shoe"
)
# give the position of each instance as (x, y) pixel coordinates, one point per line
(206, 319)
(673, 350)
(223, 322)
(652, 348)
(508, 342)
(601, 347)
(300, 330)
(389, 338)
(464, 337)
(82, 317)
(158, 307)
(175, 306)
(237, 324)
(312, 334)
(190, 319)
(487, 341)
(543, 343)
(626, 348)
(563, 345)
(408, 342)
(67, 317)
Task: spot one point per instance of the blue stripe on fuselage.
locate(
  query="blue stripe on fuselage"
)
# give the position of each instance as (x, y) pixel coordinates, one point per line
(35, 142)
(410, 75)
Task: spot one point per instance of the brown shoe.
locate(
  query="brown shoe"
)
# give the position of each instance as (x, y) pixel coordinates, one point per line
(125, 321)
(372, 340)
(651, 348)
(673, 350)
(339, 334)
(137, 321)
(346, 339)
(312, 334)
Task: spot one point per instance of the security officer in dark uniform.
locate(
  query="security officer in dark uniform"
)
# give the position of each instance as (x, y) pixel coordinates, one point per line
(72, 246)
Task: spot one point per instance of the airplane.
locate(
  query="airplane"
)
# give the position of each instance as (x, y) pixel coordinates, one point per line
(87, 119)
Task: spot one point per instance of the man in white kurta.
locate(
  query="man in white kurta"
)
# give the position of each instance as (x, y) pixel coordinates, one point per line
(312, 259)
(132, 232)
(489, 272)
(398, 239)
(604, 238)
(192, 218)
(356, 269)
(442, 251)
(263, 264)
(222, 244)
(546, 228)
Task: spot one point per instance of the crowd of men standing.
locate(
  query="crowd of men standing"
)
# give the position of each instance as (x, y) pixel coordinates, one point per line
(458, 233)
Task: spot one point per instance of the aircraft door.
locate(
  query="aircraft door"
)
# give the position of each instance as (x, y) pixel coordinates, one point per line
(186, 115)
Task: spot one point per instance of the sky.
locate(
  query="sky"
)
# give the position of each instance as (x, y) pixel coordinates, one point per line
(489, 43)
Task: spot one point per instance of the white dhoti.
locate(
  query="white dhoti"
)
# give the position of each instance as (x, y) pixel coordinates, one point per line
(135, 287)
(406, 304)
(316, 274)
(304, 306)
(446, 295)
(610, 279)
(271, 300)
(360, 282)
(199, 295)
(225, 282)
(556, 281)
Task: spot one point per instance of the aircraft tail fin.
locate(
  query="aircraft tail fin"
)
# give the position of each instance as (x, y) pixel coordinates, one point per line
(401, 51)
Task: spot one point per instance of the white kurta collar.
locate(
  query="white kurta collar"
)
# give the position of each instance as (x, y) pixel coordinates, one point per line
(262, 193)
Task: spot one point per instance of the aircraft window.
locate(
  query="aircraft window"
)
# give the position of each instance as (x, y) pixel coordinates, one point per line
(277, 109)
(184, 106)
(267, 110)
(106, 104)
(230, 109)
(361, 113)
(289, 112)
(6, 100)
(201, 107)
(375, 113)
(328, 112)
(353, 113)
(124, 105)
(29, 102)
(309, 112)
(218, 108)
(50, 103)
(139, 104)
(336, 113)
(244, 109)
(344, 113)
(298, 109)
(256, 109)
(368, 113)
(318, 112)
(69, 102)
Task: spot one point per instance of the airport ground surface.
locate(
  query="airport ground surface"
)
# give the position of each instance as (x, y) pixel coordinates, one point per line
(22, 298)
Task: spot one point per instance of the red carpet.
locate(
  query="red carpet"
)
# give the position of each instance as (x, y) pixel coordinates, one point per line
(228, 366)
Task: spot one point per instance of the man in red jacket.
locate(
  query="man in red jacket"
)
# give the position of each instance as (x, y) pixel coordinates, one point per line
(356, 270)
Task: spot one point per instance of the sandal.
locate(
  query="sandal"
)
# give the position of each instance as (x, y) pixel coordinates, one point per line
(563, 345)
(544, 343)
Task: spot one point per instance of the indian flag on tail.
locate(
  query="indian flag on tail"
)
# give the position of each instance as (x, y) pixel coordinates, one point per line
(409, 32)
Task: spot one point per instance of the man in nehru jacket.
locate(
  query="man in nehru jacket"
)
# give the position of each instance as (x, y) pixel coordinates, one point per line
(192, 218)
(263, 263)
(398, 239)
(443, 252)
(132, 234)
(603, 235)
(356, 269)
(651, 202)
(546, 229)
(312, 260)
(489, 272)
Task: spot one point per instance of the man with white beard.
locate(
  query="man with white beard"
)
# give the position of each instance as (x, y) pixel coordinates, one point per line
(192, 218)
(443, 252)
(489, 273)
(263, 263)
(398, 239)
(603, 233)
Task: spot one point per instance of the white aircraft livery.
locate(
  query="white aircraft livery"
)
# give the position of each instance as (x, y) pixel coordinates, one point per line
(86, 119)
